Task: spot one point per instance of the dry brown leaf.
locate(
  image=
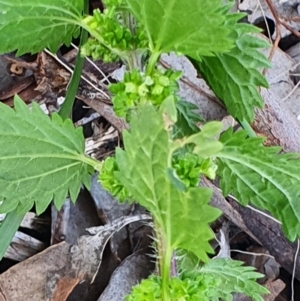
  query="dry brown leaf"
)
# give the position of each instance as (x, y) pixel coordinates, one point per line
(64, 288)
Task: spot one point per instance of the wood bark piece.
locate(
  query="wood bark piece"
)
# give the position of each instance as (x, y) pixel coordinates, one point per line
(64, 288)
(27, 280)
(32, 221)
(70, 222)
(219, 201)
(132, 270)
(275, 288)
(16, 88)
(105, 110)
(271, 236)
(99, 146)
(108, 210)
(23, 246)
(277, 123)
(11, 84)
(286, 10)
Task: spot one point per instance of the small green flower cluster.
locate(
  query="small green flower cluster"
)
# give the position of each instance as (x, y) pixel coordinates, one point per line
(189, 167)
(196, 288)
(139, 88)
(110, 182)
(110, 26)
(97, 51)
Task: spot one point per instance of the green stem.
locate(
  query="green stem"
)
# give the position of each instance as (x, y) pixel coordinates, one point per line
(165, 273)
(66, 108)
(246, 126)
(97, 165)
(152, 62)
(133, 60)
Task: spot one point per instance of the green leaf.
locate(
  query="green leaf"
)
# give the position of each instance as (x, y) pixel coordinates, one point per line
(262, 176)
(205, 143)
(40, 159)
(187, 119)
(182, 216)
(168, 110)
(195, 27)
(233, 277)
(31, 26)
(235, 76)
(8, 229)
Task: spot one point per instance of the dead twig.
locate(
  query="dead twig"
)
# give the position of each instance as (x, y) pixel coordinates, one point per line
(278, 32)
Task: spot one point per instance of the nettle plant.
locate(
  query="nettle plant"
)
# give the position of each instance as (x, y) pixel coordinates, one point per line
(165, 151)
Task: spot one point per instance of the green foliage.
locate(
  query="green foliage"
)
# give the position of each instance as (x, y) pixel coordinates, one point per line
(148, 290)
(31, 26)
(110, 182)
(226, 276)
(138, 88)
(205, 144)
(187, 119)
(195, 28)
(114, 33)
(234, 76)
(218, 279)
(186, 261)
(183, 217)
(189, 167)
(96, 50)
(40, 159)
(179, 289)
(261, 175)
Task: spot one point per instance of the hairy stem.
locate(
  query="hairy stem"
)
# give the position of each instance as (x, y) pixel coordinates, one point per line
(134, 59)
